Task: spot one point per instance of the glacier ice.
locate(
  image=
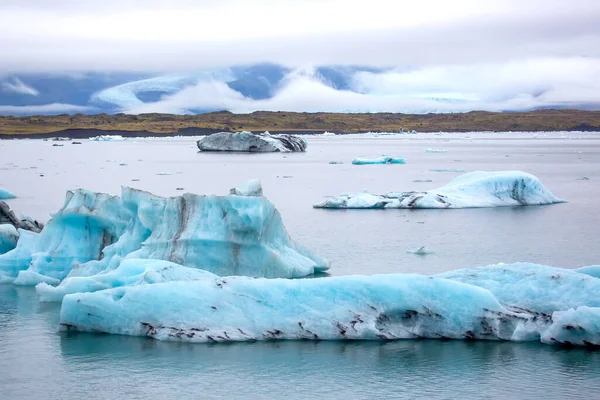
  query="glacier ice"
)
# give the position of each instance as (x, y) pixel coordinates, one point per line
(251, 188)
(5, 194)
(447, 170)
(472, 190)
(251, 142)
(430, 150)
(130, 272)
(7, 216)
(592, 270)
(519, 302)
(107, 138)
(327, 133)
(94, 232)
(8, 237)
(380, 160)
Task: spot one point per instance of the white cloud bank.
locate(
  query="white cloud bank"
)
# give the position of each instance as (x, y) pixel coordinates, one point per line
(523, 85)
(17, 86)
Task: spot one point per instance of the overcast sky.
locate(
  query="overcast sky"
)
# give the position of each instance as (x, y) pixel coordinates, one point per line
(478, 49)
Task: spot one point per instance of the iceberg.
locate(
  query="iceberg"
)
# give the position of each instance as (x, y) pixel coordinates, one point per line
(5, 194)
(421, 251)
(251, 142)
(327, 133)
(94, 232)
(472, 190)
(377, 307)
(8, 237)
(430, 150)
(7, 216)
(107, 138)
(447, 170)
(380, 160)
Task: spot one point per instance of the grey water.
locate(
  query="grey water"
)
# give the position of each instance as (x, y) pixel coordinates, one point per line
(38, 362)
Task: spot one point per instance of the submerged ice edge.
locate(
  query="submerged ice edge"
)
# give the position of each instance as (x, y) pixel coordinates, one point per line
(517, 302)
(472, 190)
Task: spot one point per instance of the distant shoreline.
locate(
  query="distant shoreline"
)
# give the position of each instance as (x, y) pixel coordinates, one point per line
(82, 126)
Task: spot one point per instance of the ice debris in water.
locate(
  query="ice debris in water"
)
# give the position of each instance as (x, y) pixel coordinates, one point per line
(447, 170)
(93, 232)
(326, 133)
(472, 190)
(335, 162)
(107, 138)
(430, 150)
(518, 302)
(251, 142)
(421, 251)
(250, 188)
(5, 194)
(422, 180)
(380, 160)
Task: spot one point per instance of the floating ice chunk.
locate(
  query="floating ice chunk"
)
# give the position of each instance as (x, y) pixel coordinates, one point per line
(525, 302)
(380, 160)
(226, 235)
(447, 170)
(326, 133)
(421, 251)
(422, 180)
(8, 237)
(239, 309)
(472, 190)
(131, 272)
(429, 150)
(251, 142)
(5, 194)
(107, 138)
(250, 188)
(336, 162)
(591, 270)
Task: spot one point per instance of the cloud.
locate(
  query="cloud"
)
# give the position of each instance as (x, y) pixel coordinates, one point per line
(522, 85)
(17, 86)
(188, 35)
(54, 108)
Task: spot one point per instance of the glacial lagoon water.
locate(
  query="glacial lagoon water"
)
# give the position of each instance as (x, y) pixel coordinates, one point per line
(38, 362)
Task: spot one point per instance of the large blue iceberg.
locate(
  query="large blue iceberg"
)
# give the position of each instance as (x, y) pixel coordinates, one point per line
(519, 302)
(475, 189)
(94, 232)
(8, 238)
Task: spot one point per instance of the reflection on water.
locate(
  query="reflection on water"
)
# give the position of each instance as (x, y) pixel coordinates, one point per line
(38, 362)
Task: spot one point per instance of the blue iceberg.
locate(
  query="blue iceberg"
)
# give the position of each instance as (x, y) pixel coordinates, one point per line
(94, 232)
(5, 194)
(430, 150)
(380, 160)
(592, 270)
(518, 302)
(8, 238)
(472, 190)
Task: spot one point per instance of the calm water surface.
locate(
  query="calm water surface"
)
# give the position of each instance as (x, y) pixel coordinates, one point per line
(37, 362)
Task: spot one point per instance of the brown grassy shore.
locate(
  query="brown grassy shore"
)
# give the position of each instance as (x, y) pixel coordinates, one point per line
(80, 125)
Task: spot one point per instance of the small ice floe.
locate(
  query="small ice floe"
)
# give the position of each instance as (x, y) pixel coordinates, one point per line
(447, 170)
(421, 251)
(335, 162)
(380, 160)
(422, 180)
(583, 178)
(430, 150)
